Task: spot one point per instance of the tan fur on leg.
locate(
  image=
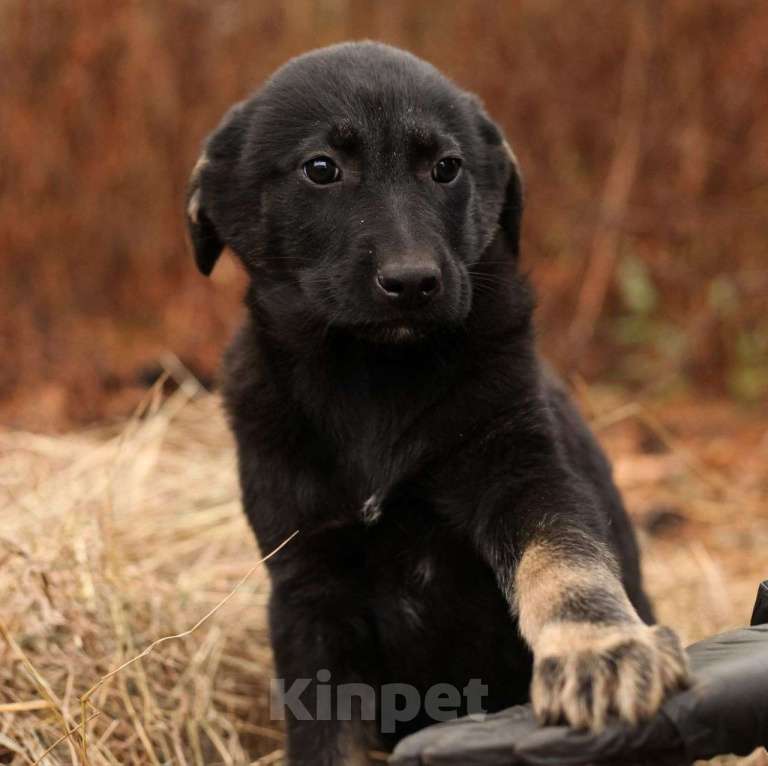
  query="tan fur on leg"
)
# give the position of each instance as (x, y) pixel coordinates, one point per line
(587, 670)
(353, 744)
(545, 576)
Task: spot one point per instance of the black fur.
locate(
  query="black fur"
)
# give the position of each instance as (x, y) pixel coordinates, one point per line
(441, 417)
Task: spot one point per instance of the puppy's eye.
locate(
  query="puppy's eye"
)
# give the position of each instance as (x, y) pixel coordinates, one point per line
(322, 170)
(446, 170)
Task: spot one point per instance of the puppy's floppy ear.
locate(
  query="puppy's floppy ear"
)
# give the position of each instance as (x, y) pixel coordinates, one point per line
(202, 233)
(512, 208)
(211, 186)
(499, 180)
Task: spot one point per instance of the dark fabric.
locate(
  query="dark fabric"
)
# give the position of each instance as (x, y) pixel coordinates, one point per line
(760, 613)
(724, 711)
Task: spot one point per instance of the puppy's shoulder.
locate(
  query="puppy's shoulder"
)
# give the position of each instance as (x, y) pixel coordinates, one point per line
(557, 397)
(241, 374)
(576, 440)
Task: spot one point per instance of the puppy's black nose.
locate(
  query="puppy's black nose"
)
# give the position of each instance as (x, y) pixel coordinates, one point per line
(409, 285)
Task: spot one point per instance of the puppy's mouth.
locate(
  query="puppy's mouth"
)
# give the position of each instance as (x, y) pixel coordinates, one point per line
(394, 332)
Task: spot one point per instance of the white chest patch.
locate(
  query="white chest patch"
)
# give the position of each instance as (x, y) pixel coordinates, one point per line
(425, 570)
(371, 510)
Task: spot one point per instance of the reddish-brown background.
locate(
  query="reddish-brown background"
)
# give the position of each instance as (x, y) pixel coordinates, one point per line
(642, 129)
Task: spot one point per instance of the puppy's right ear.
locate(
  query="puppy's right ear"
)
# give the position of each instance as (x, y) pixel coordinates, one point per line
(205, 239)
(211, 185)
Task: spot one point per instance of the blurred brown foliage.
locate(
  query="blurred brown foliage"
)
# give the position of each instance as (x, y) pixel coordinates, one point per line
(641, 128)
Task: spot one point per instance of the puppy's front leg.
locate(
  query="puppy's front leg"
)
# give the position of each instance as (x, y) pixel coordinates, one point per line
(320, 643)
(593, 656)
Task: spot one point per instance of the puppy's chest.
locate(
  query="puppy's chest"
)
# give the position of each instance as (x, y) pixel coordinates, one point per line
(423, 578)
(374, 453)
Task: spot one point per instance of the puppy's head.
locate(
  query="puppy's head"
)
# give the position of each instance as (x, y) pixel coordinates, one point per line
(358, 187)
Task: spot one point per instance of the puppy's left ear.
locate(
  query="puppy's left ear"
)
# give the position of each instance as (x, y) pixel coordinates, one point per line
(512, 207)
(205, 240)
(501, 180)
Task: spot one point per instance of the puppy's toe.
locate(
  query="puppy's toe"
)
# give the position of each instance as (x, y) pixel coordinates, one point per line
(673, 662)
(588, 691)
(639, 691)
(547, 689)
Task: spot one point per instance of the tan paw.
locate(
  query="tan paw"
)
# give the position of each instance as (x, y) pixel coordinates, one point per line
(586, 673)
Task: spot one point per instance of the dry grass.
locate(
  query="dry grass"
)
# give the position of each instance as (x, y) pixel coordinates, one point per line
(110, 541)
(113, 538)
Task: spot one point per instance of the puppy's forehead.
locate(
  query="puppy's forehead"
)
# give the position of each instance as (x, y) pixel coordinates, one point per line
(419, 133)
(344, 134)
(359, 92)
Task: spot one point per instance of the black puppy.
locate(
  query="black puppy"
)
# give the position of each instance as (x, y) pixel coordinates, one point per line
(454, 511)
